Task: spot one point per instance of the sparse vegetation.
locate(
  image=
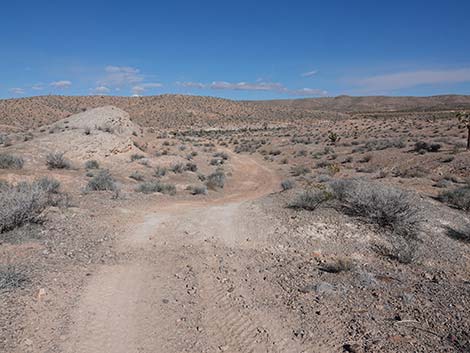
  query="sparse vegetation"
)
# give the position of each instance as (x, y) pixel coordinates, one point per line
(393, 210)
(92, 164)
(216, 180)
(103, 181)
(24, 202)
(287, 184)
(156, 186)
(56, 160)
(311, 199)
(458, 198)
(9, 161)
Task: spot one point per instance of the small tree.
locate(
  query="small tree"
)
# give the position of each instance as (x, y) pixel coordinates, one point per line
(464, 119)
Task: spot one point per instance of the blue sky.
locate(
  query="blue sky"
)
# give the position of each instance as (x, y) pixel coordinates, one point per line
(235, 49)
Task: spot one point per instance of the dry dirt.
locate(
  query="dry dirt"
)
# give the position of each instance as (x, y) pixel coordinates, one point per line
(236, 269)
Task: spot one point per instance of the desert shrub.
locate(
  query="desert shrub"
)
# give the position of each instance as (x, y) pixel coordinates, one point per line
(391, 209)
(156, 186)
(382, 144)
(136, 157)
(177, 168)
(159, 172)
(199, 190)
(24, 202)
(333, 137)
(11, 278)
(92, 164)
(310, 199)
(87, 130)
(342, 264)
(136, 175)
(422, 147)
(49, 185)
(299, 170)
(287, 184)
(462, 234)
(56, 160)
(222, 155)
(216, 161)
(458, 198)
(192, 167)
(410, 172)
(216, 180)
(8, 161)
(103, 181)
(322, 164)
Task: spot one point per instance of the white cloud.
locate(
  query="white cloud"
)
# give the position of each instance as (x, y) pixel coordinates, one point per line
(414, 78)
(120, 76)
(142, 88)
(245, 86)
(308, 92)
(37, 87)
(100, 90)
(17, 91)
(61, 84)
(257, 86)
(191, 84)
(309, 73)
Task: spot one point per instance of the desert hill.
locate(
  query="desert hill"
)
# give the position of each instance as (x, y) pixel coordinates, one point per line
(174, 111)
(374, 103)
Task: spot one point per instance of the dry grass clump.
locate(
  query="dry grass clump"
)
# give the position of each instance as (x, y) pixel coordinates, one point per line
(56, 160)
(24, 202)
(156, 186)
(92, 164)
(458, 198)
(216, 180)
(9, 161)
(394, 211)
(103, 181)
(311, 199)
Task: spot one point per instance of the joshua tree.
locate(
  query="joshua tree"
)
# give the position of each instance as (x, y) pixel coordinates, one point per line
(464, 119)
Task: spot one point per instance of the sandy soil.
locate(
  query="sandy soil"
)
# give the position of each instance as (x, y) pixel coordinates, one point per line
(172, 293)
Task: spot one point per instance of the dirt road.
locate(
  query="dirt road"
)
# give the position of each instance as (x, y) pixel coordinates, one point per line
(186, 283)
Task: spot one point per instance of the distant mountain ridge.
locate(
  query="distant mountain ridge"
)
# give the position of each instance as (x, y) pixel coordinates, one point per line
(173, 111)
(376, 103)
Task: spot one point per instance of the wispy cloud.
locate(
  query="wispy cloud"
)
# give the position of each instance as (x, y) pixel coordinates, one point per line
(401, 80)
(37, 87)
(100, 90)
(120, 76)
(256, 86)
(17, 91)
(142, 88)
(309, 73)
(246, 86)
(61, 84)
(308, 92)
(191, 84)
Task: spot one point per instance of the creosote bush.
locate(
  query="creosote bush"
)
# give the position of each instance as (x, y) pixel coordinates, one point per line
(287, 184)
(394, 211)
(24, 202)
(458, 198)
(216, 180)
(8, 161)
(56, 160)
(311, 199)
(199, 190)
(103, 181)
(156, 186)
(92, 164)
